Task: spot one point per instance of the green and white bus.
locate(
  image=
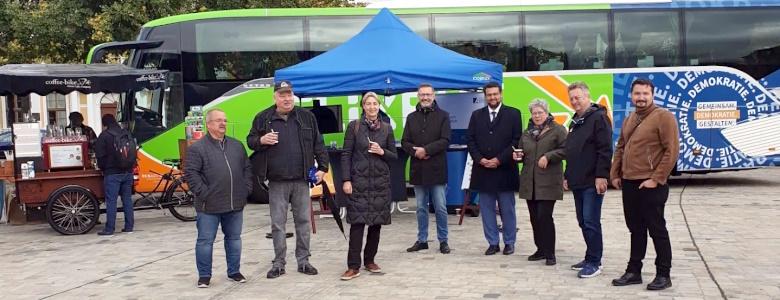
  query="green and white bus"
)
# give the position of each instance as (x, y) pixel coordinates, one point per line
(699, 53)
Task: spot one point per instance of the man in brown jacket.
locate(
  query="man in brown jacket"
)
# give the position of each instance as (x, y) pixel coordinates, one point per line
(645, 155)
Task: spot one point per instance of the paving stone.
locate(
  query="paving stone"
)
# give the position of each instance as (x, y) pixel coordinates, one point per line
(732, 217)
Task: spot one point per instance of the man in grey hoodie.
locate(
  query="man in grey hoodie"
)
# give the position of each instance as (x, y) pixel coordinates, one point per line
(218, 172)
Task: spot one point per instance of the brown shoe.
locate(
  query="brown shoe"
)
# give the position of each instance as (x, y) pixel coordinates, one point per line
(373, 268)
(349, 274)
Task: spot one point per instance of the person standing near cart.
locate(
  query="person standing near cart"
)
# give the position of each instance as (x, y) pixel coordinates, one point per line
(77, 121)
(117, 174)
(218, 172)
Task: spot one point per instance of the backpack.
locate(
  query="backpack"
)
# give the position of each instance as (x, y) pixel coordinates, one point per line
(124, 148)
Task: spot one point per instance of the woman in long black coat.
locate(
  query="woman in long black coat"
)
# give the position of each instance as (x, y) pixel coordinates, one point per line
(368, 146)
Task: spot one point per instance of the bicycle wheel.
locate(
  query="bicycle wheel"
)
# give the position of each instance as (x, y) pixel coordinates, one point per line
(180, 201)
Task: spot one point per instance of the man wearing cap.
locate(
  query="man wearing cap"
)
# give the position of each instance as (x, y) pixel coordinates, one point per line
(286, 143)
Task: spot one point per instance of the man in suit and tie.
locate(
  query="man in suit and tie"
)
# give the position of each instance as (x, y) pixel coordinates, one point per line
(492, 133)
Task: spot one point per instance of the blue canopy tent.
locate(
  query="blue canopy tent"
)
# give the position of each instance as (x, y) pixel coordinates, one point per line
(388, 58)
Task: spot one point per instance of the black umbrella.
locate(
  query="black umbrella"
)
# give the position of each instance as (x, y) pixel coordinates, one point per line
(330, 201)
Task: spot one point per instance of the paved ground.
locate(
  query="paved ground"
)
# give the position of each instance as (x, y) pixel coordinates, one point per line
(728, 246)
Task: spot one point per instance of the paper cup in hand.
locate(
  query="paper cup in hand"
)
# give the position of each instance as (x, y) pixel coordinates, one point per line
(519, 152)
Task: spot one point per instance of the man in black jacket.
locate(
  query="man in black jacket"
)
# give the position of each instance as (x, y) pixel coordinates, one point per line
(287, 142)
(117, 180)
(588, 161)
(492, 133)
(218, 172)
(426, 138)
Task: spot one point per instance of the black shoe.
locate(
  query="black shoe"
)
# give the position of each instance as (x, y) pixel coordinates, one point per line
(275, 272)
(628, 279)
(204, 282)
(659, 283)
(127, 230)
(307, 269)
(492, 250)
(538, 255)
(550, 260)
(509, 249)
(444, 248)
(417, 247)
(105, 233)
(237, 277)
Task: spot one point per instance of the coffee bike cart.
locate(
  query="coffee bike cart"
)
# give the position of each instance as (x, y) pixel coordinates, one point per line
(63, 179)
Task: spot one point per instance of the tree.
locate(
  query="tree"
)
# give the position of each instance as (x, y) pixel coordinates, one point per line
(63, 31)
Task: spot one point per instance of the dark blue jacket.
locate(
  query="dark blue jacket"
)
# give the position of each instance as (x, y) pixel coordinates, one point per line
(588, 148)
(494, 139)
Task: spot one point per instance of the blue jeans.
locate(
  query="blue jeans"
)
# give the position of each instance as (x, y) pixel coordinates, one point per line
(120, 185)
(588, 205)
(437, 193)
(487, 203)
(207, 224)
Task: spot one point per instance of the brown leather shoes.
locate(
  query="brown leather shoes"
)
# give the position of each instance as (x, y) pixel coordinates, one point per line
(349, 274)
(373, 268)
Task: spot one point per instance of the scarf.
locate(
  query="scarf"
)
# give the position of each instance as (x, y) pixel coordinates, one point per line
(375, 124)
(537, 130)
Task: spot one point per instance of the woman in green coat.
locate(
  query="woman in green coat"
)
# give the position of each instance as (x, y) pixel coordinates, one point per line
(541, 179)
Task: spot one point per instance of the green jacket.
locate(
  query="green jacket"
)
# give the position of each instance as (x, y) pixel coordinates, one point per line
(537, 183)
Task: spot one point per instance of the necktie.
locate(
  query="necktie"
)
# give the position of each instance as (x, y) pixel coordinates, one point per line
(492, 116)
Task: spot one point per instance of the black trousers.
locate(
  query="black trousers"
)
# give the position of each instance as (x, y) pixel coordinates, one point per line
(541, 212)
(644, 212)
(356, 242)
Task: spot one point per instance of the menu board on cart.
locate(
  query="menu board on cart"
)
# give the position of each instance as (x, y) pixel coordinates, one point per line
(65, 152)
(65, 156)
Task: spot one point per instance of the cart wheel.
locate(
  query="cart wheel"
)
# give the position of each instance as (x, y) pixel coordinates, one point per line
(72, 210)
(180, 201)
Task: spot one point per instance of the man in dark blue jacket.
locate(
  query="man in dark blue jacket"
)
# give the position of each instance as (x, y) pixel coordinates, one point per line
(117, 180)
(588, 161)
(492, 133)
(218, 172)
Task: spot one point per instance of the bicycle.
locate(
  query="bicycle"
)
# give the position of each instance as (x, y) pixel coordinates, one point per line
(176, 197)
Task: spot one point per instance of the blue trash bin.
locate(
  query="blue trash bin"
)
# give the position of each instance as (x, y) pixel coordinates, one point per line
(456, 163)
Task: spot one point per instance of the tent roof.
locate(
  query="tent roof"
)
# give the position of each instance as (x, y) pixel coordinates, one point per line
(44, 79)
(387, 57)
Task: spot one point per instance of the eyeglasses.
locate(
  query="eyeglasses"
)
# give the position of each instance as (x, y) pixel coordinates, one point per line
(539, 114)
(424, 94)
(219, 120)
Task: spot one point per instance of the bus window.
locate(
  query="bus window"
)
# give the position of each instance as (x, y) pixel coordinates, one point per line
(566, 41)
(326, 33)
(240, 49)
(168, 57)
(647, 39)
(492, 37)
(418, 24)
(746, 39)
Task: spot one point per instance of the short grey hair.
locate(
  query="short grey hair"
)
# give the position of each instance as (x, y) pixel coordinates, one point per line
(208, 113)
(539, 103)
(579, 85)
